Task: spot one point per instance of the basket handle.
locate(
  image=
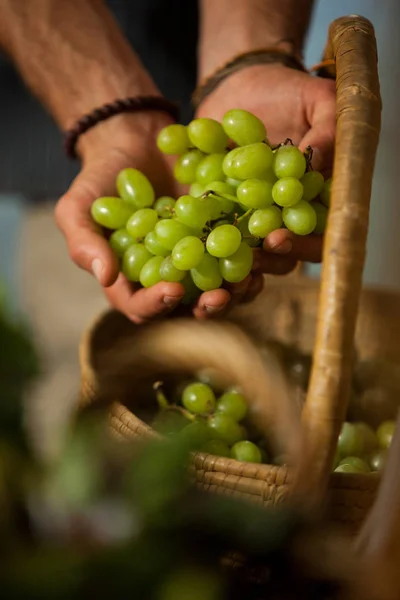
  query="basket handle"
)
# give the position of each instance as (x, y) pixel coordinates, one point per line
(352, 45)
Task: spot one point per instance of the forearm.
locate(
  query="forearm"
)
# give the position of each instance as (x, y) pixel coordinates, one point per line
(231, 27)
(71, 54)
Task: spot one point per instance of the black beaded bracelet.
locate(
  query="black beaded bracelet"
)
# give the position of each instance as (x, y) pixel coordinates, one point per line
(134, 104)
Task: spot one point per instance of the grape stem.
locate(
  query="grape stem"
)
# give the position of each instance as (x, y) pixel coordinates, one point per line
(244, 216)
(308, 154)
(161, 398)
(188, 415)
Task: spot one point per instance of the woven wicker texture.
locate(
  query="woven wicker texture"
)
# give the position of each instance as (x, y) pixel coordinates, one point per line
(293, 310)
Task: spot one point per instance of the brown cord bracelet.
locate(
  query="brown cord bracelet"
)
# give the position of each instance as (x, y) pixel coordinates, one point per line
(134, 104)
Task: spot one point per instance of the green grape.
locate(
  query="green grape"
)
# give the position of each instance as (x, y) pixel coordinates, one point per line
(325, 195)
(192, 212)
(169, 422)
(154, 245)
(207, 275)
(170, 231)
(186, 166)
(134, 187)
(233, 182)
(300, 219)
(142, 222)
(216, 448)
(270, 176)
(222, 427)
(196, 189)
(236, 267)
(246, 451)
(247, 237)
(198, 398)
(322, 216)
(210, 169)
(232, 404)
(222, 187)
(243, 127)
(120, 241)
(357, 462)
(111, 212)
(385, 433)
(265, 220)
(192, 292)
(336, 459)
(220, 206)
(207, 135)
(348, 469)
(377, 460)
(351, 440)
(168, 271)
(196, 434)
(219, 223)
(287, 191)
(134, 260)
(312, 182)
(173, 139)
(150, 273)
(289, 161)
(223, 241)
(255, 193)
(248, 162)
(370, 439)
(164, 206)
(188, 253)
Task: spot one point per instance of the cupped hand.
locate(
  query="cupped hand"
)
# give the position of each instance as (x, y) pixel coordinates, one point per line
(294, 105)
(105, 152)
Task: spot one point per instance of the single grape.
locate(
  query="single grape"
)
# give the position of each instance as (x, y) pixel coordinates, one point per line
(325, 195)
(246, 451)
(207, 275)
(164, 206)
(236, 267)
(312, 182)
(265, 220)
(198, 398)
(300, 219)
(169, 422)
(134, 187)
(232, 404)
(385, 433)
(233, 182)
(370, 439)
(193, 212)
(248, 162)
(150, 273)
(170, 231)
(216, 448)
(247, 237)
(154, 245)
(348, 469)
(289, 161)
(322, 216)
(357, 462)
(173, 139)
(243, 127)
(287, 191)
(134, 260)
(120, 241)
(141, 223)
(168, 271)
(186, 166)
(207, 135)
(255, 193)
(222, 187)
(351, 441)
(196, 190)
(377, 460)
(223, 427)
(223, 241)
(219, 205)
(192, 292)
(188, 253)
(111, 212)
(210, 169)
(196, 434)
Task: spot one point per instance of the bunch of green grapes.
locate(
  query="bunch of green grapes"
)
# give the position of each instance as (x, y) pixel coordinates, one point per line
(210, 423)
(241, 189)
(360, 449)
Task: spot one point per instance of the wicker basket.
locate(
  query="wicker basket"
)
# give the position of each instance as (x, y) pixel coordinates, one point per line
(296, 310)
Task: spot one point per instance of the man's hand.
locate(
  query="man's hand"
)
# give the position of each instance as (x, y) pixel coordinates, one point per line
(292, 105)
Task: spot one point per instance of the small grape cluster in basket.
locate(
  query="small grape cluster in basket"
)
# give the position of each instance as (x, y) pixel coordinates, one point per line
(241, 190)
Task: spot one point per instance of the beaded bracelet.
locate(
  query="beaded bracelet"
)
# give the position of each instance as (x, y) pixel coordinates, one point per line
(134, 104)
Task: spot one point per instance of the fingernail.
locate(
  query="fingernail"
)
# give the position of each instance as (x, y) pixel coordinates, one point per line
(171, 300)
(97, 269)
(283, 248)
(213, 310)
